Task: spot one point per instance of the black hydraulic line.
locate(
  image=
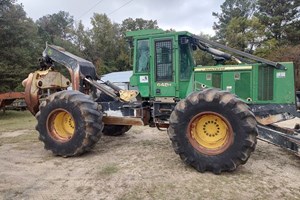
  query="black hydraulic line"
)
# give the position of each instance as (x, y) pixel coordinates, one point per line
(213, 51)
(102, 88)
(113, 86)
(204, 42)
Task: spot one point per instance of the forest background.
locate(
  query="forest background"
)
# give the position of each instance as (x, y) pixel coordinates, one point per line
(266, 28)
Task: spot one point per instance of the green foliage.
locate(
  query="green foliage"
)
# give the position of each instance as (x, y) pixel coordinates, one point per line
(22, 41)
(104, 39)
(261, 27)
(58, 25)
(130, 24)
(231, 9)
(19, 45)
(244, 34)
(258, 26)
(281, 19)
(16, 120)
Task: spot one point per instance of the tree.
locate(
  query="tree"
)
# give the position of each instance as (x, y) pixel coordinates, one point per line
(104, 43)
(19, 47)
(58, 25)
(130, 24)
(245, 34)
(281, 17)
(231, 9)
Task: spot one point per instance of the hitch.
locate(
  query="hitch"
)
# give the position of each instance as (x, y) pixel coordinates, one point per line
(281, 136)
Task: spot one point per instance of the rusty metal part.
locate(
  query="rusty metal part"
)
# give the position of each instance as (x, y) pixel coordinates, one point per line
(60, 125)
(75, 77)
(272, 118)
(141, 118)
(52, 80)
(123, 120)
(9, 97)
(165, 99)
(162, 127)
(31, 94)
(281, 137)
(128, 95)
(39, 81)
(210, 133)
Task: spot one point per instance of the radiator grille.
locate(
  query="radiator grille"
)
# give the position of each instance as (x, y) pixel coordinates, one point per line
(265, 83)
(217, 80)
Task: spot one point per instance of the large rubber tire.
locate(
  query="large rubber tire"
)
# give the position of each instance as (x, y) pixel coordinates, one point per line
(115, 130)
(69, 123)
(231, 119)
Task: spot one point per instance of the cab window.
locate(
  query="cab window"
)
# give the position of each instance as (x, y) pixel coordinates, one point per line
(185, 62)
(142, 56)
(163, 60)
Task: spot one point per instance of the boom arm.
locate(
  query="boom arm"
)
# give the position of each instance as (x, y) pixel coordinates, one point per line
(203, 43)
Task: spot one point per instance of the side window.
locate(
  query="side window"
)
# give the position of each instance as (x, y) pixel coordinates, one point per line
(185, 63)
(142, 56)
(163, 59)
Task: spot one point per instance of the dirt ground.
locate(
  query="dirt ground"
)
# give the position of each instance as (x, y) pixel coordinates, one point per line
(139, 165)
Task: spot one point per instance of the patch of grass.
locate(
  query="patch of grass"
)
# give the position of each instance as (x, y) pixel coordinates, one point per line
(27, 137)
(148, 142)
(109, 169)
(16, 120)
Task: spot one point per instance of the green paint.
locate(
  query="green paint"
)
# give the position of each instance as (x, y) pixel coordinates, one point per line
(171, 72)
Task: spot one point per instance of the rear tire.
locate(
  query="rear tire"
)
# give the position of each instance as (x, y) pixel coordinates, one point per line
(115, 130)
(213, 131)
(69, 123)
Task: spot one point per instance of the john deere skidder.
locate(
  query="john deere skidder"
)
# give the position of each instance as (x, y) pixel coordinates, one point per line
(213, 114)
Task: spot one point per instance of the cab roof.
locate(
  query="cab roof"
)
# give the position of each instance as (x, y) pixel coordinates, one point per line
(155, 33)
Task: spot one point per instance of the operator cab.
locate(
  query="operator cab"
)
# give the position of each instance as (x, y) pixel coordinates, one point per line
(159, 69)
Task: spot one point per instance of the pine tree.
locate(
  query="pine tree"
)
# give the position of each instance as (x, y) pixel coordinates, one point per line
(281, 17)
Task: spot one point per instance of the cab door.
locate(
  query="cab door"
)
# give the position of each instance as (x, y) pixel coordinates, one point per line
(163, 82)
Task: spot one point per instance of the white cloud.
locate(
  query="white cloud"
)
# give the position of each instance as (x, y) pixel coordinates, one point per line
(191, 15)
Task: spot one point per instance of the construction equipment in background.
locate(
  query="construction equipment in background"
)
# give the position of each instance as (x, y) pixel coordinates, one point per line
(12, 101)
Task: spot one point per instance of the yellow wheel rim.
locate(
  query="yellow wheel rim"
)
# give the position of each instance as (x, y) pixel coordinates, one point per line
(210, 133)
(61, 125)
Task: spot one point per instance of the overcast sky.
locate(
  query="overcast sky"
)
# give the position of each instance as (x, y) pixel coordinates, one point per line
(191, 15)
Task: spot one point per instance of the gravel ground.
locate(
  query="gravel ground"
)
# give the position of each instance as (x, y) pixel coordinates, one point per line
(139, 165)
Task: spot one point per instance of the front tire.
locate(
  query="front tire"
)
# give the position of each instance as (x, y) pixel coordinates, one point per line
(213, 131)
(69, 123)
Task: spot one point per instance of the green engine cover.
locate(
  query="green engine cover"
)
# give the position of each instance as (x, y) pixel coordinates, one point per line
(254, 83)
